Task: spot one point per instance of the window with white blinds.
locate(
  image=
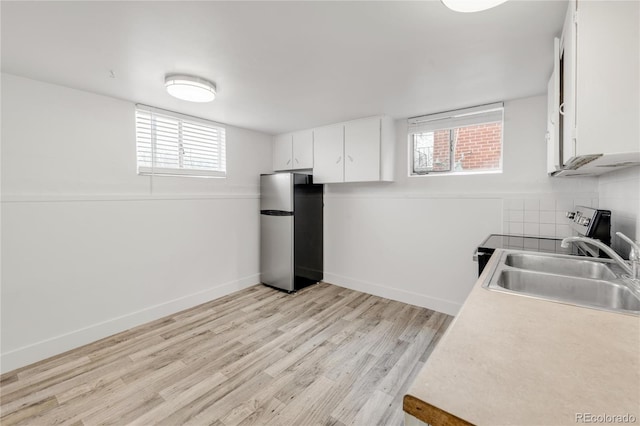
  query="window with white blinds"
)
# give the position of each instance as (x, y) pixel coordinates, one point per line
(169, 143)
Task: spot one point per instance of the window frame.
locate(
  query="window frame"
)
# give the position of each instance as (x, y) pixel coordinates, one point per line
(181, 171)
(452, 116)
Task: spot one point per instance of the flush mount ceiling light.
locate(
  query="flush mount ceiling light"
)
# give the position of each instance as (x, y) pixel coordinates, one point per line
(189, 88)
(471, 5)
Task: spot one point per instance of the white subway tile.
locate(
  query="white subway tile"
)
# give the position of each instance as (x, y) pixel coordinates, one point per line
(563, 231)
(516, 216)
(532, 204)
(564, 204)
(531, 216)
(532, 229)
(561, 217)
(585, 202)
(547, 217)
(547, 230)
(548, 203)
(516, 228)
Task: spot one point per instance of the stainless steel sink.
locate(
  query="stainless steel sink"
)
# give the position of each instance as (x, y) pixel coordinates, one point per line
(595, 283)
(560, 265)
(588, 292)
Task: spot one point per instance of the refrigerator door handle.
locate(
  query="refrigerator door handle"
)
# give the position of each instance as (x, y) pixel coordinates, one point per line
(275, 213)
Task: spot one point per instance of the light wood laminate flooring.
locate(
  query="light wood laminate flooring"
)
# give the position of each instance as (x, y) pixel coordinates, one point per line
(325, 355)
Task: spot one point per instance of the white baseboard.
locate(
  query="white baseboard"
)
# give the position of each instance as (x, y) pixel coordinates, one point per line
(55, 345)
(411, 298)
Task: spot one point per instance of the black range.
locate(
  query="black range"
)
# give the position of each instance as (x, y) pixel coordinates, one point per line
(584, 221)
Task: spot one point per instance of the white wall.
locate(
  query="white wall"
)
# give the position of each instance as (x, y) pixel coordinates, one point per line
(89, 248)
(413, 239)
(620, 192)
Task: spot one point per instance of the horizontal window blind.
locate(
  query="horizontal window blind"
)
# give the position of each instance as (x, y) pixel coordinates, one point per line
(454, 119)
(174, 144)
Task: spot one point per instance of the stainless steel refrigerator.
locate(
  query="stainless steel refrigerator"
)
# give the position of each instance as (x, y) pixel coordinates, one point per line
(290, 230)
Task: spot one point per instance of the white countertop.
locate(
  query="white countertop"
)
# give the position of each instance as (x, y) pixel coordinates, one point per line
(508, 359)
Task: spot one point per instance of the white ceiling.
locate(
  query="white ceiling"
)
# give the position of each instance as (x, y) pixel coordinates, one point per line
(282, 66)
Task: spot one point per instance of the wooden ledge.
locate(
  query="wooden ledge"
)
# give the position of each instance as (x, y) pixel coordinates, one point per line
(429, 414)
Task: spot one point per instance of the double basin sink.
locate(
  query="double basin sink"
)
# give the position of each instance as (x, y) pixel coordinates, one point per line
(593, 283)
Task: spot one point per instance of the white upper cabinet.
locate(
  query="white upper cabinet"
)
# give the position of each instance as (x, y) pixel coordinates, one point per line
(599, 101)
(293, 151)
(282, 152)
(303, 149)
(567, 99)
(553, 112)
(354, 151)
(328, 154)
(362, 150)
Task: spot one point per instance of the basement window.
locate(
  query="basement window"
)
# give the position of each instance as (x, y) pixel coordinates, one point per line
(465, 141)
(172, 144)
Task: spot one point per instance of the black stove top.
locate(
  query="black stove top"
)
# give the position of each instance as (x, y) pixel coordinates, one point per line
(512, 242)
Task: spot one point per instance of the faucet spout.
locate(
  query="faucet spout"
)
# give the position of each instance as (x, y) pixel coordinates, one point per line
(605, 248)
(634, 255)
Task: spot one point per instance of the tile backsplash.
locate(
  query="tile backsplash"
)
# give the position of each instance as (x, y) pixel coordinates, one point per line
(619, 192)
(542, 216)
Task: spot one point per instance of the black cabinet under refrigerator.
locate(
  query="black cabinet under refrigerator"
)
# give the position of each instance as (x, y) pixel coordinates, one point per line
(291, 239)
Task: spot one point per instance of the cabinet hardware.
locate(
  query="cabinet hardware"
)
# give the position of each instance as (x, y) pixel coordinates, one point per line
(339, 158)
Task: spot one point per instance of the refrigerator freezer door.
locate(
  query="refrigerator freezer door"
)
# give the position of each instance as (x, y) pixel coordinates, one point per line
(276, 192)
(276, 251)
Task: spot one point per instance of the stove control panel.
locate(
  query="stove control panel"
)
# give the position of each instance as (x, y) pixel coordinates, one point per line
(592, 223)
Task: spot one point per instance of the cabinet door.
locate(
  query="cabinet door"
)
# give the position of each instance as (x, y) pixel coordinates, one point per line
(362, 150)
(282, 152)
(328, 154)
(553, 116)
(608, 83)
(303, 149)
(568, 85)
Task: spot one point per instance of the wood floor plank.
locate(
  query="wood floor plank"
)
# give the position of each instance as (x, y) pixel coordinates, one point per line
(263, 401)
(11, 401)
(320, 411)
(325, 355)
(263, 413)
(178, 397)
(400, 371)
(303, 401)
(202, 403)
(29, 411)
(373, 409)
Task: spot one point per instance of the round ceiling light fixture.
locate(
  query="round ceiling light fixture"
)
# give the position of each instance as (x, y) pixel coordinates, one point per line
(467, 6)
(189, 88)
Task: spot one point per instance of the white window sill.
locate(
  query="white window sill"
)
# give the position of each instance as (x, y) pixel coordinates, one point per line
(164, 171)
(479, 172)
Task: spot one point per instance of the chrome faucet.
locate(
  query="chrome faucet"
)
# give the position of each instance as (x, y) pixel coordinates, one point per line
(634, 255)
(631, 267)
